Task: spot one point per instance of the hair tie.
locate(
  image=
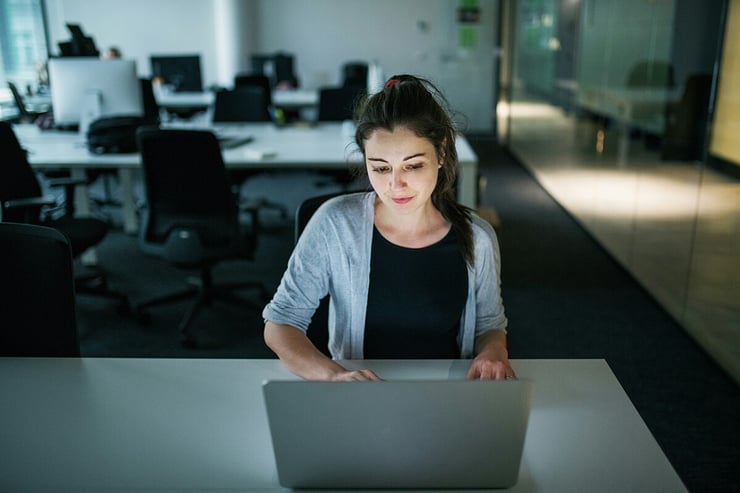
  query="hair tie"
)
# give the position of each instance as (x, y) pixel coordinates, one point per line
(391, 82)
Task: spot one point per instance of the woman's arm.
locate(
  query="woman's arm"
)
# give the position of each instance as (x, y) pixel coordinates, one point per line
(301, 357)
(491, 360)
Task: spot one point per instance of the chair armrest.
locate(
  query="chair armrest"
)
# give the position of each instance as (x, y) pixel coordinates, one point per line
(29, 202)
(66, 182)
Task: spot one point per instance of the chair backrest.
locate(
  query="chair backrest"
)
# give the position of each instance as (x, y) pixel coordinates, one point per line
(18, 100)
(283, 66)
(337, 104)
(151, 107)
(254, 80)
(17, 179)
(37, 299)
(245, 104)
(318, 331)
(192, 214)
(354, 74)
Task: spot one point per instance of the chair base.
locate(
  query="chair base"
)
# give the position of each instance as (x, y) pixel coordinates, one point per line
(94, 283)
(204, 292)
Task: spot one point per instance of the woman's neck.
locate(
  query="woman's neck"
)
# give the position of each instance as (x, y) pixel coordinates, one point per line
(419, 229)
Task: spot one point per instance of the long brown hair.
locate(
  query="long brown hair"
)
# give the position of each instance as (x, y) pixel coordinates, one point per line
(415, 103)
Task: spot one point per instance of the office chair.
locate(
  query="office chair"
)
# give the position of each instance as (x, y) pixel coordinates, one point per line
(21, 202)
(37, 298)
(337, 104)
(354, 74)
(255, 80)
(318, 330)
(192, 217)
(24, 114)
(284, 73)
(245, 104)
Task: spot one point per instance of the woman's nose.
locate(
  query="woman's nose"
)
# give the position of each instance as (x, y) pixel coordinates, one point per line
(397, 180)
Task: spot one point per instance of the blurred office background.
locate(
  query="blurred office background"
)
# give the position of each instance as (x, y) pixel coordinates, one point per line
(626, 112)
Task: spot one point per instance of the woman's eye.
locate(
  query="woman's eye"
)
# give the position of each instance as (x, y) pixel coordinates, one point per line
(412, 167)
(381, 170)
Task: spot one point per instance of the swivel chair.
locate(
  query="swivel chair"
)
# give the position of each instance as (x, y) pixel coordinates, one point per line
(25, 115)
(337, 104)
(318, 331)
(192, 218)
(248, 103)
(255, 80)
(242, 104)
(21, 201)
(37, 293)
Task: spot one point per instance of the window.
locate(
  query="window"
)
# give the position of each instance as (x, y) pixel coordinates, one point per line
(23, 50)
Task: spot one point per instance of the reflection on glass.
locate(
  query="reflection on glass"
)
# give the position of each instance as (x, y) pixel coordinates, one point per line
(609, 108)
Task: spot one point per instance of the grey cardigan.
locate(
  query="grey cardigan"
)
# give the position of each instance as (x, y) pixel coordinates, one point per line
(333, 256)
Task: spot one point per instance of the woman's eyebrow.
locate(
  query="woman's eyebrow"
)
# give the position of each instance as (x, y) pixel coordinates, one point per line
(380, 159)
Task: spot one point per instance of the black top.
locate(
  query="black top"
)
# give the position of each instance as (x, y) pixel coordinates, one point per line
(415, 300)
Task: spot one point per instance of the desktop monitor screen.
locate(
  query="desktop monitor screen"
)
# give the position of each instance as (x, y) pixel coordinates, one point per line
(181, 72)
(115, 81)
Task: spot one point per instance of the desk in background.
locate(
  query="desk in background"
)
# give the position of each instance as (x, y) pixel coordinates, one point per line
(199, 424)
(323, 146)
(639, 108)
(287, 98)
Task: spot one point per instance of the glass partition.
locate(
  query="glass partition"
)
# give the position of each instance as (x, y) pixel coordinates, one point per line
(609, 104)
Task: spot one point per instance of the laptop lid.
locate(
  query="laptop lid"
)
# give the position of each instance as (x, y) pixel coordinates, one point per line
(398, 434)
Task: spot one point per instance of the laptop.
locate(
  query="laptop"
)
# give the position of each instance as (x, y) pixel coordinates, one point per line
(398, 434)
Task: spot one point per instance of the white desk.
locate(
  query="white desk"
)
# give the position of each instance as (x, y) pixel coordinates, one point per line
(199, 424)
(323, 146)
(284, 98)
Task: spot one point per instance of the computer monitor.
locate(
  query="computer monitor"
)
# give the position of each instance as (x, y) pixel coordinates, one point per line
(114, 82)
(181, 72)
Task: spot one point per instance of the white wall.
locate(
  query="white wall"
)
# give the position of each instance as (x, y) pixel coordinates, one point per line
(411, 36)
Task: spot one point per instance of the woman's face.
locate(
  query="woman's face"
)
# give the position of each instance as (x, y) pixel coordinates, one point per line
(402, 168)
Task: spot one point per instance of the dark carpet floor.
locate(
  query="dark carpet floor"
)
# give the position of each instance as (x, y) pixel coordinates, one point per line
(564, 295)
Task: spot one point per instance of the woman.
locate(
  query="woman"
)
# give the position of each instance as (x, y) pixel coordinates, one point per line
(410, 272)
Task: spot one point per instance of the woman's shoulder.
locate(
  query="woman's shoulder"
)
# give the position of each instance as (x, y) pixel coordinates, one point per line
(345, 202)
(482, 230)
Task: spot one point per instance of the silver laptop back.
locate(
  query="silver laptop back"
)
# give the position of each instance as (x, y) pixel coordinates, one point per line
(398, 434)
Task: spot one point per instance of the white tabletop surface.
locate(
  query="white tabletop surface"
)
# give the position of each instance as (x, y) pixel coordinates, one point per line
(280, 97)
(325, 145)
(199, 424)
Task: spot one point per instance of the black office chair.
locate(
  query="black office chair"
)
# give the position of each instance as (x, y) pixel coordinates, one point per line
(243, 105)
(37, 298)
(192, 218)
(25, 115)
(318, 330)
(337, 104)
(354, 74)
(284, 69)
(255, 80)
(22, 202)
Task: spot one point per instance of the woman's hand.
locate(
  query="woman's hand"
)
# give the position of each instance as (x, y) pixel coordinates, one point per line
(355, 376)
(492, 358)
(301, 357)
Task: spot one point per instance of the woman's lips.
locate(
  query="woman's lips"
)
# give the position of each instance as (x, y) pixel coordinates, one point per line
(402, 200)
